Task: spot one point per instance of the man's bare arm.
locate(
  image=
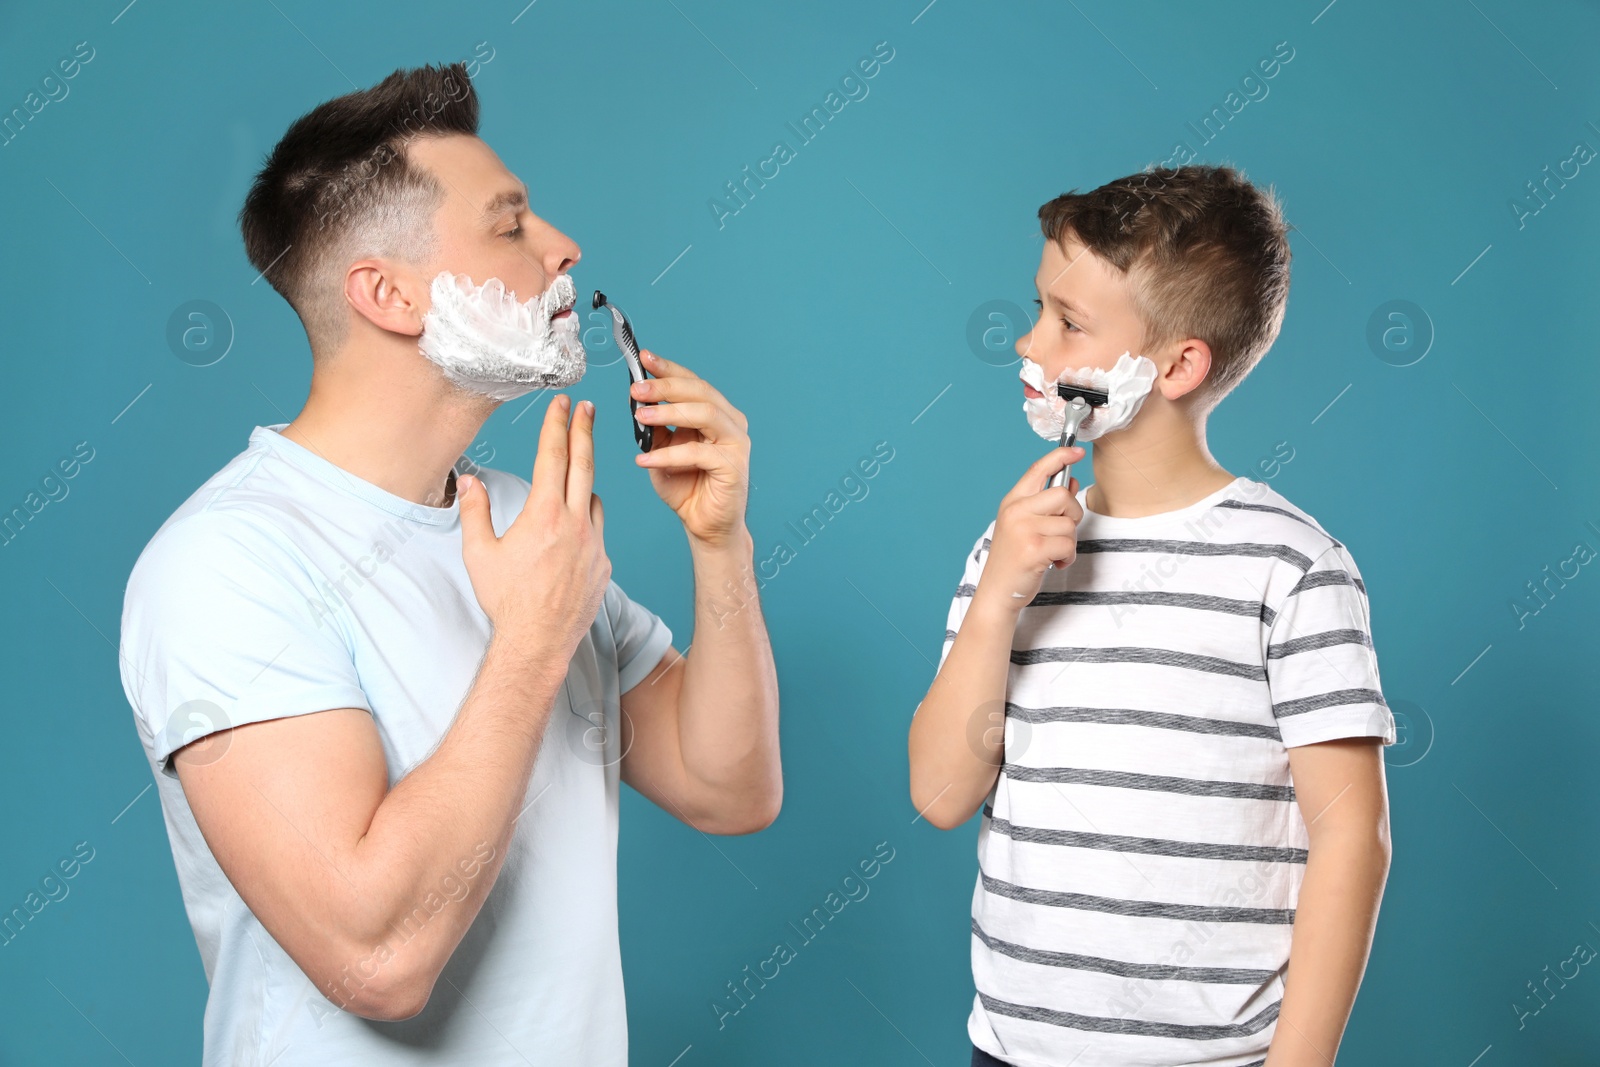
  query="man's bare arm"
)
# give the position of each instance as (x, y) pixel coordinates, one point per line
(1339, 786)
(298, 811)
(700, 733)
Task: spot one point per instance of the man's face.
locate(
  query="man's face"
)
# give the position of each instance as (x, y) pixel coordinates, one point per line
(484, 226)
(1086, 313)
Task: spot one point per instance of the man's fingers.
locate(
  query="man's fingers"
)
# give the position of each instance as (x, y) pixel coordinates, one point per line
(710, 419)
(477, 525)
(580, 465)
(688, 455)
(664, 368)
(685, 386)
(597, 516)
(550, 464)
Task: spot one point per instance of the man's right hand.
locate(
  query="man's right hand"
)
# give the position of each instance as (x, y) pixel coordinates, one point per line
(543, 581)
(1035, 528)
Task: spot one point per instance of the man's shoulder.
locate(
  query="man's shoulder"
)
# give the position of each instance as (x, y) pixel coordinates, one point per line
(225, 508)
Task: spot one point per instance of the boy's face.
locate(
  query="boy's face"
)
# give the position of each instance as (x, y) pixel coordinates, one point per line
(1086, 313)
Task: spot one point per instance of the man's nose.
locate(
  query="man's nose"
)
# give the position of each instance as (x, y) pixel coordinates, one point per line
(561, 253)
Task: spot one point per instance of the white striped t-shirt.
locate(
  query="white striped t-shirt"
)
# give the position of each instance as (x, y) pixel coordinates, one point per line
(1141, 852)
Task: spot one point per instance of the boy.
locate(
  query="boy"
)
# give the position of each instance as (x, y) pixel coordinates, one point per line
(1162, 688)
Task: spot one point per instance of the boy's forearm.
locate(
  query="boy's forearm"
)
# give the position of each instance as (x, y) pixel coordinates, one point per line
(958, 732)
(1334, 919)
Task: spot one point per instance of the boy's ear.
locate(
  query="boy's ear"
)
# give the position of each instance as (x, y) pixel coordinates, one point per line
(1186, 366)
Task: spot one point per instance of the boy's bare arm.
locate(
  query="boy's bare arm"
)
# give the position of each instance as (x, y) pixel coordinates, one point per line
(1340, 788)
(957, 735)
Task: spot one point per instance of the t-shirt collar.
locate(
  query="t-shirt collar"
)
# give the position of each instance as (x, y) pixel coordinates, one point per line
(341, 480)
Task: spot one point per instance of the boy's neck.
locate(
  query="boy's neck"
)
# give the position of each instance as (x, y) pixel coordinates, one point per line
(1154, 466)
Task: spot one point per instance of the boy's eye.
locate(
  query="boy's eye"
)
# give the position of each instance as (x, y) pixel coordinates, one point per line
(1064, 321)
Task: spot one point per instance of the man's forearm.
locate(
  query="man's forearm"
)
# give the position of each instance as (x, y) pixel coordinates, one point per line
(451, 815)
(1334, 919)
(728, 703)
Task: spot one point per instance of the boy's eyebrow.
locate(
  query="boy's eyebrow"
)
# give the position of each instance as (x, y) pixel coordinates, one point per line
(1077, 312)
(508, 198)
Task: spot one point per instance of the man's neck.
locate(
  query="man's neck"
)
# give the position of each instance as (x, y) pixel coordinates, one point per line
(402, 437)
(1153, 467)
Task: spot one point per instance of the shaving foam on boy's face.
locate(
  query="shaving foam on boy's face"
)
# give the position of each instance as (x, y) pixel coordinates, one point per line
(488, 342)
(1127, 383)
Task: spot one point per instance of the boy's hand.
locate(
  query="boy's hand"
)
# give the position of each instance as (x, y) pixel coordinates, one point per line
(1036, 527)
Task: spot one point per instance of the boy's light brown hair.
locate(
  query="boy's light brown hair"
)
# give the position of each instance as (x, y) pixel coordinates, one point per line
(1206, 255)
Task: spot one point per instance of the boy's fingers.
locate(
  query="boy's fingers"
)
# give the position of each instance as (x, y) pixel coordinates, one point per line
(580, 465)
(1042, 468)
(550, 464)
(1053, 526)
(1051, 502)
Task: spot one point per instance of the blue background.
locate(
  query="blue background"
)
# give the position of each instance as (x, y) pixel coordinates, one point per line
(834, 309)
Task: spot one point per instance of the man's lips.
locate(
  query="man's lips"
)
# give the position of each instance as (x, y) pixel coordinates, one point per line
(1030, 392)
(562, 314)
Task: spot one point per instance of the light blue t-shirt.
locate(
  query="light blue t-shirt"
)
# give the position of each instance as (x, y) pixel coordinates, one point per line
(286, 585)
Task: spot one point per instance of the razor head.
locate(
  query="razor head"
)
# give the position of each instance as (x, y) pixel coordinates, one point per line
(622, 333)
(1095, 398)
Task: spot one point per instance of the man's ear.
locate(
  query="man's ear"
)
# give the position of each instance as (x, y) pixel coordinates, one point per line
(385, 295)
(1187, 364)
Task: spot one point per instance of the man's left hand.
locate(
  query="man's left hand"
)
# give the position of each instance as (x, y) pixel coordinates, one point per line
(702, 468)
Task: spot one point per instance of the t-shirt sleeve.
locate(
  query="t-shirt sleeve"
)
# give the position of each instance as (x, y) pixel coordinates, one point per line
(962, 600)
(1322, 668)
(223, 625)
(641, 638)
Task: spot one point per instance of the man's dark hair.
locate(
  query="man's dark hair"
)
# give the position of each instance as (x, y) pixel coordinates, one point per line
(1206, 254)
(338, 186)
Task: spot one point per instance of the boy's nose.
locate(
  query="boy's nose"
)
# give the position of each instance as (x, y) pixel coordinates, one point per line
(1024, 343)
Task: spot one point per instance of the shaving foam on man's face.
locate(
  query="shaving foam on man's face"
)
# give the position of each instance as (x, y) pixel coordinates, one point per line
(1127, 383)
(488, 342)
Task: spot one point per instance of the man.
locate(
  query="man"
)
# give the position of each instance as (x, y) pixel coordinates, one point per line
(388, 707)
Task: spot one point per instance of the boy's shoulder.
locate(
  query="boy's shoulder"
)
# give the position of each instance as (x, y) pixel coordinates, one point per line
(1255, 509)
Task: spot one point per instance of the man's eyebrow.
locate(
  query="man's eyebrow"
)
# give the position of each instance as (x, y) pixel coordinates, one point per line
(508, 198)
